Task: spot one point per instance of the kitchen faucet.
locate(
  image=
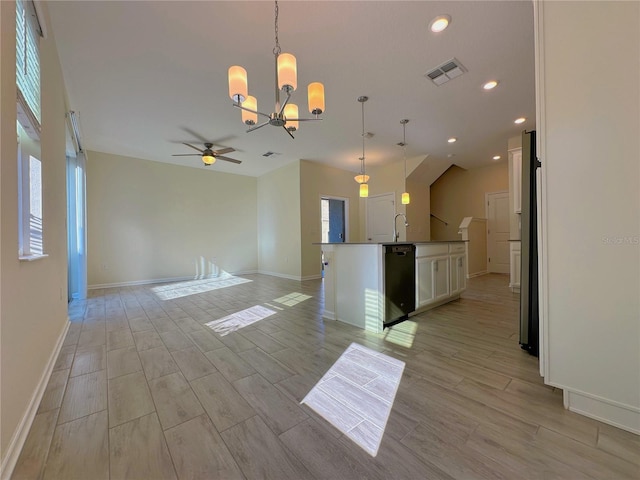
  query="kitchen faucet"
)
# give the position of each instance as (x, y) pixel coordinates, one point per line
(396, 233)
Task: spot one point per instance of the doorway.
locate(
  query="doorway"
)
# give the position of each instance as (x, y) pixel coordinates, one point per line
(334, 213)
(498, 232)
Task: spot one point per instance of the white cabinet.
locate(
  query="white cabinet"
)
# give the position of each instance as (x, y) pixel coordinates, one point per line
(440, 273)
(424, 282)
(515, 159)
(458, 277)
(515, 258)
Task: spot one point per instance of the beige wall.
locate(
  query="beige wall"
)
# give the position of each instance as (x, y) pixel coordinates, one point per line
(33, 310)
(317, 180)
(460, 193)
(418, 211)
(591, 205)
(152, 221)
(278, 196)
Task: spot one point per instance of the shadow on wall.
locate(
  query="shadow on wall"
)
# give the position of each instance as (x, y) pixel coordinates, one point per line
(206, 268)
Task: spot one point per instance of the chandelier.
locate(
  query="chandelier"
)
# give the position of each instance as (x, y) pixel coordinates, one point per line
(285, 114)
(403, 144)
(362, 178)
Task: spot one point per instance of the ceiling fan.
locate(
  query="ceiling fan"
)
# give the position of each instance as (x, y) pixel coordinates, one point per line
(209, 156)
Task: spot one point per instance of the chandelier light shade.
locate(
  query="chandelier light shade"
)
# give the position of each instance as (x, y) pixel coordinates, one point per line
(286, 83)
(315, 95)
(364, 190)
(249, 116)
(405, 195)
(238, 84)
(291, 111)
(287, 72)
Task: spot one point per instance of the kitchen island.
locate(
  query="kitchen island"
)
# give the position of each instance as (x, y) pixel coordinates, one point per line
(354, 280)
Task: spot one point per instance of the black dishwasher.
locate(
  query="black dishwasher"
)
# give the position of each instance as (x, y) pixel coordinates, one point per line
(399, 282)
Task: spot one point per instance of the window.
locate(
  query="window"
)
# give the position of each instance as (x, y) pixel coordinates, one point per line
(30, 179)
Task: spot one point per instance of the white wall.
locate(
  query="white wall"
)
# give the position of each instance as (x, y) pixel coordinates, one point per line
(152, 221)
(590, 151)
(33, 295)
(279, 251)
(317, 180)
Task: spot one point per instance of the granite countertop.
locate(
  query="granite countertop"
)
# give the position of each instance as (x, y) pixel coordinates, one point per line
(419, 242)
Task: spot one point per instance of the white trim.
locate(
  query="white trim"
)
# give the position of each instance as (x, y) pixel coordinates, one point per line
(135, 283)
(317, 276)
(31, 258)
(281, 275)
(620, 415)
(20, 435)
(478, 274)
(543, 260)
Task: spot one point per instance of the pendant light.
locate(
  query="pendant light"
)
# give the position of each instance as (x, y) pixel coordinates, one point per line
(363, 178)
(405, 196)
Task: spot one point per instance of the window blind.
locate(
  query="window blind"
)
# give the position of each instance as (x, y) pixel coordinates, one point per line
(28, 34)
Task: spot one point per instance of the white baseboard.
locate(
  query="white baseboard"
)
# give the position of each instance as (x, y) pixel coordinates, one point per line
(329, 315)
(614, 413)
(280, 275)
(312, 277)
(135, 283)
(477, 274)
(20, 435)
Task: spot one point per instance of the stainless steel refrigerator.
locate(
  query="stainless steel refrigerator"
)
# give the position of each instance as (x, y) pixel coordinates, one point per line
(529, 323)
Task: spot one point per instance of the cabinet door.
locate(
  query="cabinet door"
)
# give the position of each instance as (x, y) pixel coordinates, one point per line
(440, 277)
(424, 282)
(458, 280)
(514, 282)
(516, 171)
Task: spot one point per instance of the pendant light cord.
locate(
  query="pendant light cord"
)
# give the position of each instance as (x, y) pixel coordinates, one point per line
(362, 138)
(404, 148)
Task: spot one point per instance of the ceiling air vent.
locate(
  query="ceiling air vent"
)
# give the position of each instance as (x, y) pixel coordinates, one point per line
(268, 154)
(445, 72)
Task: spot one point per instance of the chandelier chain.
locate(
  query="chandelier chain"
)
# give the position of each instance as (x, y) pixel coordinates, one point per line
(277, 50)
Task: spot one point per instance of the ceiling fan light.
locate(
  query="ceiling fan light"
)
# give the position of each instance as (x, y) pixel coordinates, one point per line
(361, 178)
(405, 198)
(364, 190)
(315, 94)
(238, 90)
(287, 72)
(291, 111)
(250, 118)
(208, 159)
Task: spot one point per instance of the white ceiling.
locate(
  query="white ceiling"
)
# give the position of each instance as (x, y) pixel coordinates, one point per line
(145, 76)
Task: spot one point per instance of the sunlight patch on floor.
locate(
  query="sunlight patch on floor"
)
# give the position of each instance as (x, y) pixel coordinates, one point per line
(292, 299)
(357, 393)
(240, 319)
(401, 334)
(171, 291)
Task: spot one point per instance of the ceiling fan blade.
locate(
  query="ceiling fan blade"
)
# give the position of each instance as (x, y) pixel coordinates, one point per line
(290, 134)
(227, 159)
(222, 151)
(195, 134)
(302, 119)
(257, 127)
(195, 148)
(186, 155)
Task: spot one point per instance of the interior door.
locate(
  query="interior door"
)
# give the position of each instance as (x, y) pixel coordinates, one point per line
(336, 220)
(380, 212)
(498, 232)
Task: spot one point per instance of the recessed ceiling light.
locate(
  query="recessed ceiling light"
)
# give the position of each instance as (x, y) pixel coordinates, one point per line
(451, 155)
(452, 140)
(520, 120)
(496, 157)
(439, 23)
(490, 85)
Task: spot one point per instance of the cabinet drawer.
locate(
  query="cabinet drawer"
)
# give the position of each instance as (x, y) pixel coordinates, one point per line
(426, 250)
(456, 247)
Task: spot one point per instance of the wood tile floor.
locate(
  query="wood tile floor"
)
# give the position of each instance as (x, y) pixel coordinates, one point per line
(142, 390)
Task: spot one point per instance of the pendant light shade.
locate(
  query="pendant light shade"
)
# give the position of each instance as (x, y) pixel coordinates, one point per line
(208, 159)
(291, 111)
(361, 178)
(405, 198)
(315, 93)
(364, 190)
(287, 72)
(251, 103)
(238, 90)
